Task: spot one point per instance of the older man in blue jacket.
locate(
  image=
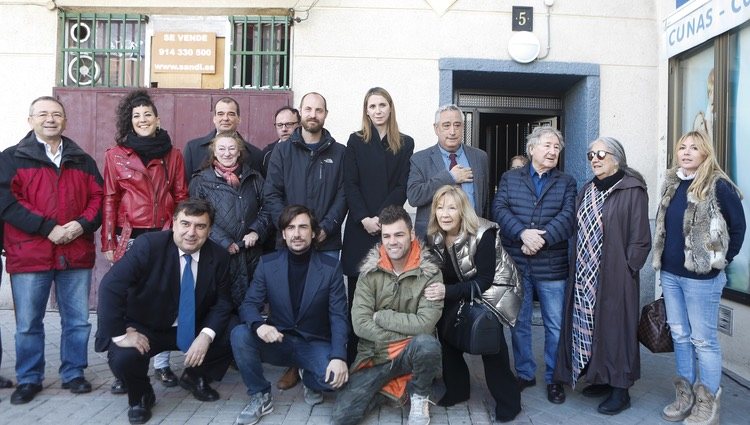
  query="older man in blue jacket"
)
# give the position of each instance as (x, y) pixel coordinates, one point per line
(535, 208)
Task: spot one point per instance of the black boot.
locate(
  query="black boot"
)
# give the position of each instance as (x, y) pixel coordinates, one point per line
(617, 401)
(597, 390)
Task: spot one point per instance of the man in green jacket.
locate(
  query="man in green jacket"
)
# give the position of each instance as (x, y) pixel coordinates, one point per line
(397, 352)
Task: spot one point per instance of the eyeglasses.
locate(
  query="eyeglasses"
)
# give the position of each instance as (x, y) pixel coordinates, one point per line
(286, 124)
(44, 115)
(600, 155)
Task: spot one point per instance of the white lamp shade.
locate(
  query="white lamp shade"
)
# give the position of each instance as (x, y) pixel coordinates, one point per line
(524, 46)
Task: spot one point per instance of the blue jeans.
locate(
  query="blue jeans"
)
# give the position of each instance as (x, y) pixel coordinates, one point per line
(693, 315)
(30, 295)
(161, 360)
(250, 352)
(551, 297)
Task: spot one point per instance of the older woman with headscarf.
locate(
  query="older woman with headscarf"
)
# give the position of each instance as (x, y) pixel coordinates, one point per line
(599, 341)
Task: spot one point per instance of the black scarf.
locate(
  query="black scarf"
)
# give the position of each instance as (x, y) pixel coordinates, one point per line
(148, 148)
(607, 182)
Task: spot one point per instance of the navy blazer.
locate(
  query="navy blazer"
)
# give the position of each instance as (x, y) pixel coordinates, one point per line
(428, 173)
(144, 287)
(322, 312)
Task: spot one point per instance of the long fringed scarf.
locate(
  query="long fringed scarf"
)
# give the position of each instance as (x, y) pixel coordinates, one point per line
(227, 173)
(588, 261)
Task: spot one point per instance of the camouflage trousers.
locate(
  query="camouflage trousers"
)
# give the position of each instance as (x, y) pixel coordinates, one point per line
(361, 394)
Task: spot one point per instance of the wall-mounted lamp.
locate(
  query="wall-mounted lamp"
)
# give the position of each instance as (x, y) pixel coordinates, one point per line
(524, 46)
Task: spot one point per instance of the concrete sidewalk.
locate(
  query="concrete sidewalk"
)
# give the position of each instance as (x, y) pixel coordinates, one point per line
(175, 406)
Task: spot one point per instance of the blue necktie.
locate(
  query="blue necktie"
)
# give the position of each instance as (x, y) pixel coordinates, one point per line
(186, 313)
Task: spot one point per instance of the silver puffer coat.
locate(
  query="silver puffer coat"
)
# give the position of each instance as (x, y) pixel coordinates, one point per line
(506, 291)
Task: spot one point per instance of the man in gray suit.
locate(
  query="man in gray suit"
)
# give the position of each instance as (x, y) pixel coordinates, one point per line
(448, 162)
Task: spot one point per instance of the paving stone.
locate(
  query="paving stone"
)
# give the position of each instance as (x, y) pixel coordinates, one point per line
(176, 406)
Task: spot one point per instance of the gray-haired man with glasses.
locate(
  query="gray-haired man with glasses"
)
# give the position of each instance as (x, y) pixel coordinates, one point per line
(450, 161)
(50, 200)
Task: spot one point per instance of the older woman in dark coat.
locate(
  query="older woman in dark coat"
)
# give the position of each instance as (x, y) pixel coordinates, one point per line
(376, 168)
(236, 192)
(599, 337)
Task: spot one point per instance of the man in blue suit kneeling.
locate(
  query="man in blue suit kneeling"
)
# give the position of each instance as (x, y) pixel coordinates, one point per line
(307, 325)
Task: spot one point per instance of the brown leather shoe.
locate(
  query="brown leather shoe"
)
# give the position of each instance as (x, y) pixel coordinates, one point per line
(289, 379)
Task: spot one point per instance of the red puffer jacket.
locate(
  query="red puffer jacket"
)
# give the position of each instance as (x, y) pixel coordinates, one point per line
(44, 196)
(143, 197)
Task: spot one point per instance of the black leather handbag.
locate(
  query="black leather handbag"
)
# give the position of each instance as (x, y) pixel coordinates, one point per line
(653, 330)
(473, 326)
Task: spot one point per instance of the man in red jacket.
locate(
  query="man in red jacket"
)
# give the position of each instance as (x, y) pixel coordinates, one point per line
(50, 199)
(4, 382)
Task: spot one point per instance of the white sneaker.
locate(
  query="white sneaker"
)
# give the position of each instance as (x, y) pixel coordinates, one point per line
(313, 397)
(260, 405)
(420, 410)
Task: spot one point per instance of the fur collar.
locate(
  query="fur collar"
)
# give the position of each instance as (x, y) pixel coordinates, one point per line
(704, 228)
(427, 264)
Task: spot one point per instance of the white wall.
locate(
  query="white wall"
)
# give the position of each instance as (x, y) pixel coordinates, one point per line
(348, 46)
(27, 65)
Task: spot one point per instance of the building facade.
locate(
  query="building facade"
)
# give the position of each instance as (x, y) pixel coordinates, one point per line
(589, 68)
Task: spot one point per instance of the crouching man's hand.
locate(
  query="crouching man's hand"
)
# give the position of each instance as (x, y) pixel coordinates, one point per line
(337, 373)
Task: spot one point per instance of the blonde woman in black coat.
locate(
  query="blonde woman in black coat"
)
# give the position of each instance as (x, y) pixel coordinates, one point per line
(376, 168)
(465, 246)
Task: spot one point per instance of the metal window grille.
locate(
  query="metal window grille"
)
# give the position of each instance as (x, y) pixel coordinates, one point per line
(101, 50)
(260, 52)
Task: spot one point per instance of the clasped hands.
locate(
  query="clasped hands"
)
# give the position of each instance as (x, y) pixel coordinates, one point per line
(532, 241)
(371, 225)
(61, 235)
(337, 373)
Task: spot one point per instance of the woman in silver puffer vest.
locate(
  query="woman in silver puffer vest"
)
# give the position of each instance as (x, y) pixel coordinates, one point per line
(466, 249)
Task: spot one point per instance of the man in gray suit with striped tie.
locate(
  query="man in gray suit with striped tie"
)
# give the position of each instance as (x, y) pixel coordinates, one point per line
(448, 162)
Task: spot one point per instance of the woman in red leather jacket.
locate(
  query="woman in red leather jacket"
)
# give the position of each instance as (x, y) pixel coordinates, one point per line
(144, 180)
(144, 176)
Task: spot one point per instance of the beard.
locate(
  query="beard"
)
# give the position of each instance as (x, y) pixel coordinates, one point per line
(312, 125)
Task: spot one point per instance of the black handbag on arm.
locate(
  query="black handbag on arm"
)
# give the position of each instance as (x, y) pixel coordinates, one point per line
(473, 326)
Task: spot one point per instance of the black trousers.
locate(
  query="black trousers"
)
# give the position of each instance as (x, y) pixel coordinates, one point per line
(130, 366)
(353, 340)
(500, 380)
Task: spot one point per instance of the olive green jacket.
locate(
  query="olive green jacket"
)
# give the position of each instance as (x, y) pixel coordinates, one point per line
(399, 301)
